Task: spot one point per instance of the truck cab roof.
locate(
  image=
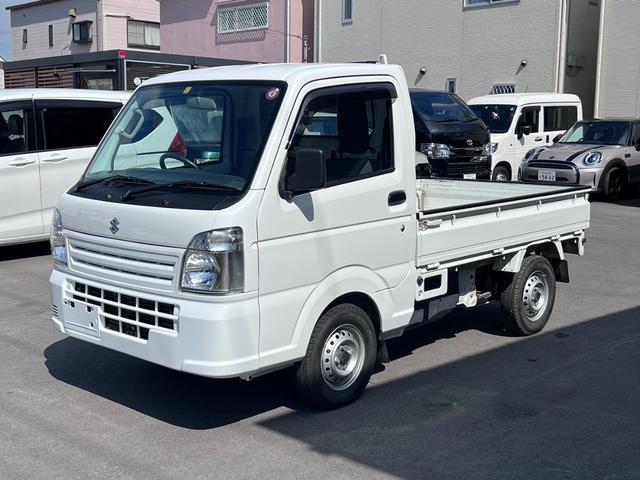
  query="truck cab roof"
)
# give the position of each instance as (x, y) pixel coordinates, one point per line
(287, 72)
(13, 94)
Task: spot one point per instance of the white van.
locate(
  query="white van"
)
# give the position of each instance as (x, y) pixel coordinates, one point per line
(519, 122)
(47, 137)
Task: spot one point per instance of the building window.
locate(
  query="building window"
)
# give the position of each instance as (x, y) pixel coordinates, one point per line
(450, 85)
(24, 36)
(82, 31)
(504, 88)
(476, 3)
(347, 11)
(242, 19)
(143, 34)
(51, 35)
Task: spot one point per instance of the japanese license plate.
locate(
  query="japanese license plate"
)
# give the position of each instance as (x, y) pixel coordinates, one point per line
(547, 175)
(469, 176)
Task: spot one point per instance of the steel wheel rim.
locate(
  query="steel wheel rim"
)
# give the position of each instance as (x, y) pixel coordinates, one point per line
(535, 295)
(501, 177)
(343, 357)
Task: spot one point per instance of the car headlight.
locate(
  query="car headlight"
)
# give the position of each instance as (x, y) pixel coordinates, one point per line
(592, 158)
(214, 262)
(494, 147)
(529, 154)
(57, 240)
(489, 148)
(434, 151)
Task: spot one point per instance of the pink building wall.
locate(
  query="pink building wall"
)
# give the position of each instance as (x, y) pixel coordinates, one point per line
(188, 27)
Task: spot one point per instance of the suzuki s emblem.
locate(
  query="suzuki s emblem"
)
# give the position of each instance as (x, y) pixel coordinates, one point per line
(470, 142)
(114, 225)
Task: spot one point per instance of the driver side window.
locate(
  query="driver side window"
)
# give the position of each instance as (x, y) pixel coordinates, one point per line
(352, 128)
(530, 116)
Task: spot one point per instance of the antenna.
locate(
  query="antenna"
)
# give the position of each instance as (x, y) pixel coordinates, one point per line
(382, 58)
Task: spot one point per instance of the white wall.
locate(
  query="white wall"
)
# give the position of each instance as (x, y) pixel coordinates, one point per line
(620, 60)
(478, 46)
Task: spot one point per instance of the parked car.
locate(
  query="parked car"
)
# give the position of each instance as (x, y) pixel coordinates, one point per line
(521, 121)
(454, 140)
(47, 137)
(601, 154)
(288, 248)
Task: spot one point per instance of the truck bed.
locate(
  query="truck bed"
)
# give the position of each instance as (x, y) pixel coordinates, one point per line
(460, 220)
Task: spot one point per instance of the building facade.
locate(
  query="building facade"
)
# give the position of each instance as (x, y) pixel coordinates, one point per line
(251, 30)
(618, 74)
(472, 47)
(48, 28)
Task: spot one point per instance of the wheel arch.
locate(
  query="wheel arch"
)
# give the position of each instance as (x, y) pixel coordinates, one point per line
(616, 162)
(504, 164)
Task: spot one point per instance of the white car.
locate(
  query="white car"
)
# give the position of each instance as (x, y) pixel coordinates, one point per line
(519, 122)
(220, 230)
(47, 137)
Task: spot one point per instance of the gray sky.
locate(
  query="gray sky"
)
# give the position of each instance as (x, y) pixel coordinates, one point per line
(5, 30)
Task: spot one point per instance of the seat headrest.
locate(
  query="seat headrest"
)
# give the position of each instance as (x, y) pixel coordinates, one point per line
(353, 126)
(16, 125)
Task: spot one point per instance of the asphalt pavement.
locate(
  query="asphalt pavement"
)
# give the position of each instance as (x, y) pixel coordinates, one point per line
(459, 399)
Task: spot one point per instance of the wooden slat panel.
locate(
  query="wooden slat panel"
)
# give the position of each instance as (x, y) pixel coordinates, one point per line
(22, 78)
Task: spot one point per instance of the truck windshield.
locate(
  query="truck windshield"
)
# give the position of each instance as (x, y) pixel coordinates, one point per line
(598, 133)
(497, 118)
(441, 107)
(204, 134)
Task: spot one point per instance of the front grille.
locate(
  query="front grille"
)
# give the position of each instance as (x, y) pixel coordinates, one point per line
(459, 154)
(127, 314)
(470, 167)
(565, 172)
(124, 262)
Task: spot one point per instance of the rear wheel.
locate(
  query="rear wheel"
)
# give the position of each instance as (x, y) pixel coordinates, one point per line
(501, 174)
(528, 296)
(340, 358)
(613, 184)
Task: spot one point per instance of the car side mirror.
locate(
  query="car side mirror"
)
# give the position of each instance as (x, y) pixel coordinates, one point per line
(637, 145)
(308, 172)
(557, 138)
(524, 130)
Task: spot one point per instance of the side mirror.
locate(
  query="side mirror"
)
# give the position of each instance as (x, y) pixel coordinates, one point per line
(637, 145)
(524, 130)
(308, 172)
(557, 138)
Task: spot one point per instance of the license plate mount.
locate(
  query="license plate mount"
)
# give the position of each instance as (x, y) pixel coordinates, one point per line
(81, 317)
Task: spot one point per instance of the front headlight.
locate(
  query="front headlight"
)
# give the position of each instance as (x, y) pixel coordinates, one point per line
(592, 158)
(214, 262)
(489, 148)
(57, 240)
(529, 154)
(435, 151)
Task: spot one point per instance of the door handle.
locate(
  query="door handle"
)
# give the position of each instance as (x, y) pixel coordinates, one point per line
(627, 155)
(397, 198)
(21, 162)
(537, 139)
(56, 157)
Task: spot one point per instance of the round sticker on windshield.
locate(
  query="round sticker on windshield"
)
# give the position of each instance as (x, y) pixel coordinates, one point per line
(272, 93)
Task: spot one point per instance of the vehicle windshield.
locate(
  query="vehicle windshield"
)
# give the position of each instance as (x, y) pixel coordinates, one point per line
(206, 133)
(497, 118)
(441, 107)
(598, 133)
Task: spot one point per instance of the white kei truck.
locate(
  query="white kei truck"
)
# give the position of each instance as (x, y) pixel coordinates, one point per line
(220, 231)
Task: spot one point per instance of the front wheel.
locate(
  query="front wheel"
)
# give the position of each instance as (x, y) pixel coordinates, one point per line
(501, 174)
(613, 184)
(340, 358)
(528, 296)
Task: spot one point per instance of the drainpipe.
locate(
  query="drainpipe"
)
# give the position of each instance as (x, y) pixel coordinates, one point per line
(561, 54)
(596, 100)
(317, 12)
(287, 45)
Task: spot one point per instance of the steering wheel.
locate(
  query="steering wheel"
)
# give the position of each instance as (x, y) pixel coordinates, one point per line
(176, 156)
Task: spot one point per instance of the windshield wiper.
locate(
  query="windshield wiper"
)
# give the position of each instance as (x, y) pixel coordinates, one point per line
(113, 178)
(183, 184)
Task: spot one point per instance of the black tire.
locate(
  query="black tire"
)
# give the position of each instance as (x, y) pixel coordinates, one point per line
(310, 380)
(519, 314)
(613, 184)
(501, 174)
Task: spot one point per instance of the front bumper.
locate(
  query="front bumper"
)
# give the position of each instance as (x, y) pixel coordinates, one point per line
(213, 339)
(458, 169)
(566, 173)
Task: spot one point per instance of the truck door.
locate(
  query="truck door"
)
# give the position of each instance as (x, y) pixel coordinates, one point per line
(19, 176)
(529, 118)
(360, 221)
